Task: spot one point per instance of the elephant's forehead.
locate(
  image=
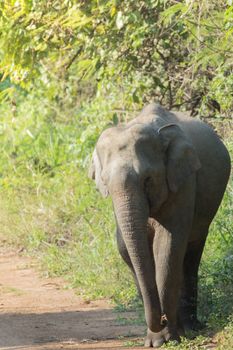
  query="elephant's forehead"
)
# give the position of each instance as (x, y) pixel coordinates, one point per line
(120, 138)
(110, 138)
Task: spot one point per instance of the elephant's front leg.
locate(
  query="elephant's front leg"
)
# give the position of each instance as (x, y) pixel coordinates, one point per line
(168, 255)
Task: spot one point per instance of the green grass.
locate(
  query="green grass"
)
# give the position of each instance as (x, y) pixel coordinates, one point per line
(10, 290)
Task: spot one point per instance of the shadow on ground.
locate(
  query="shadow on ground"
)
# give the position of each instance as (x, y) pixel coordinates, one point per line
(18, 330)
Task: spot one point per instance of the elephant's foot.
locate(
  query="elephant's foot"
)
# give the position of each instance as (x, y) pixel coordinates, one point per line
(156, 340)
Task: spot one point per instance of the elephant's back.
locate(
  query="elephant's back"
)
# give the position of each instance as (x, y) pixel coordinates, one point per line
(212, 152)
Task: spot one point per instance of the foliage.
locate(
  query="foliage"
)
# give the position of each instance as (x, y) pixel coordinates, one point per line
(178, 52)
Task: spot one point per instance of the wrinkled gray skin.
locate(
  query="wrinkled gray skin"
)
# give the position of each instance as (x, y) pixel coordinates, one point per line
(166, 183)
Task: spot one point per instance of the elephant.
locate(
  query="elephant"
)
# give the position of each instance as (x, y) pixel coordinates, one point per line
(166, 173)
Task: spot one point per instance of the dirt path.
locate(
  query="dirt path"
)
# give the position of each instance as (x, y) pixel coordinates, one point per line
(38, 313)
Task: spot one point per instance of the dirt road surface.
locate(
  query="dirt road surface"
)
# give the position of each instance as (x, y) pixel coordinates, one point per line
(38, 313)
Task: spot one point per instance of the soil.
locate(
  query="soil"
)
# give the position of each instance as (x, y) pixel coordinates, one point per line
(39, 313)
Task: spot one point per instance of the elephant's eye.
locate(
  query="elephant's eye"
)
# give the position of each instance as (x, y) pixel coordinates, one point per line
(122, 147)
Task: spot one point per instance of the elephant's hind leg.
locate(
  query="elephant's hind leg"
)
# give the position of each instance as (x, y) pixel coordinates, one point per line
(188, 301)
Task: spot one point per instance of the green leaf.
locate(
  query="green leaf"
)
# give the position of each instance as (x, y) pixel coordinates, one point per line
(135, 97)
(41, 46)
(173, 10)
(115, 119)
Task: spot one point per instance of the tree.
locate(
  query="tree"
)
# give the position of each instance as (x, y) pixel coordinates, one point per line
(178, 52)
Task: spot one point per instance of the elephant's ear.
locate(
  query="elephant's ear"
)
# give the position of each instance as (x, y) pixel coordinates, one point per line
(182, 158)
(94, 173)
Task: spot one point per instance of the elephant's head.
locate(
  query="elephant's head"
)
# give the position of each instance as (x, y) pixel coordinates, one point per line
(138, 165)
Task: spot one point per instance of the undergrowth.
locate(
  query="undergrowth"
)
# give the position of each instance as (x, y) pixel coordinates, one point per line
(49, 207)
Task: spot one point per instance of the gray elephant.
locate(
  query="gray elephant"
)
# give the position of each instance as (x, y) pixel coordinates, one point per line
(166, 173)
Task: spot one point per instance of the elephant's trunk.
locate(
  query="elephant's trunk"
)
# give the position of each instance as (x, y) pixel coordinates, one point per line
(131, 210)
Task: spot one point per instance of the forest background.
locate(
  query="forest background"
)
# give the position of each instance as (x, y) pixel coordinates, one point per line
(69, 69)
